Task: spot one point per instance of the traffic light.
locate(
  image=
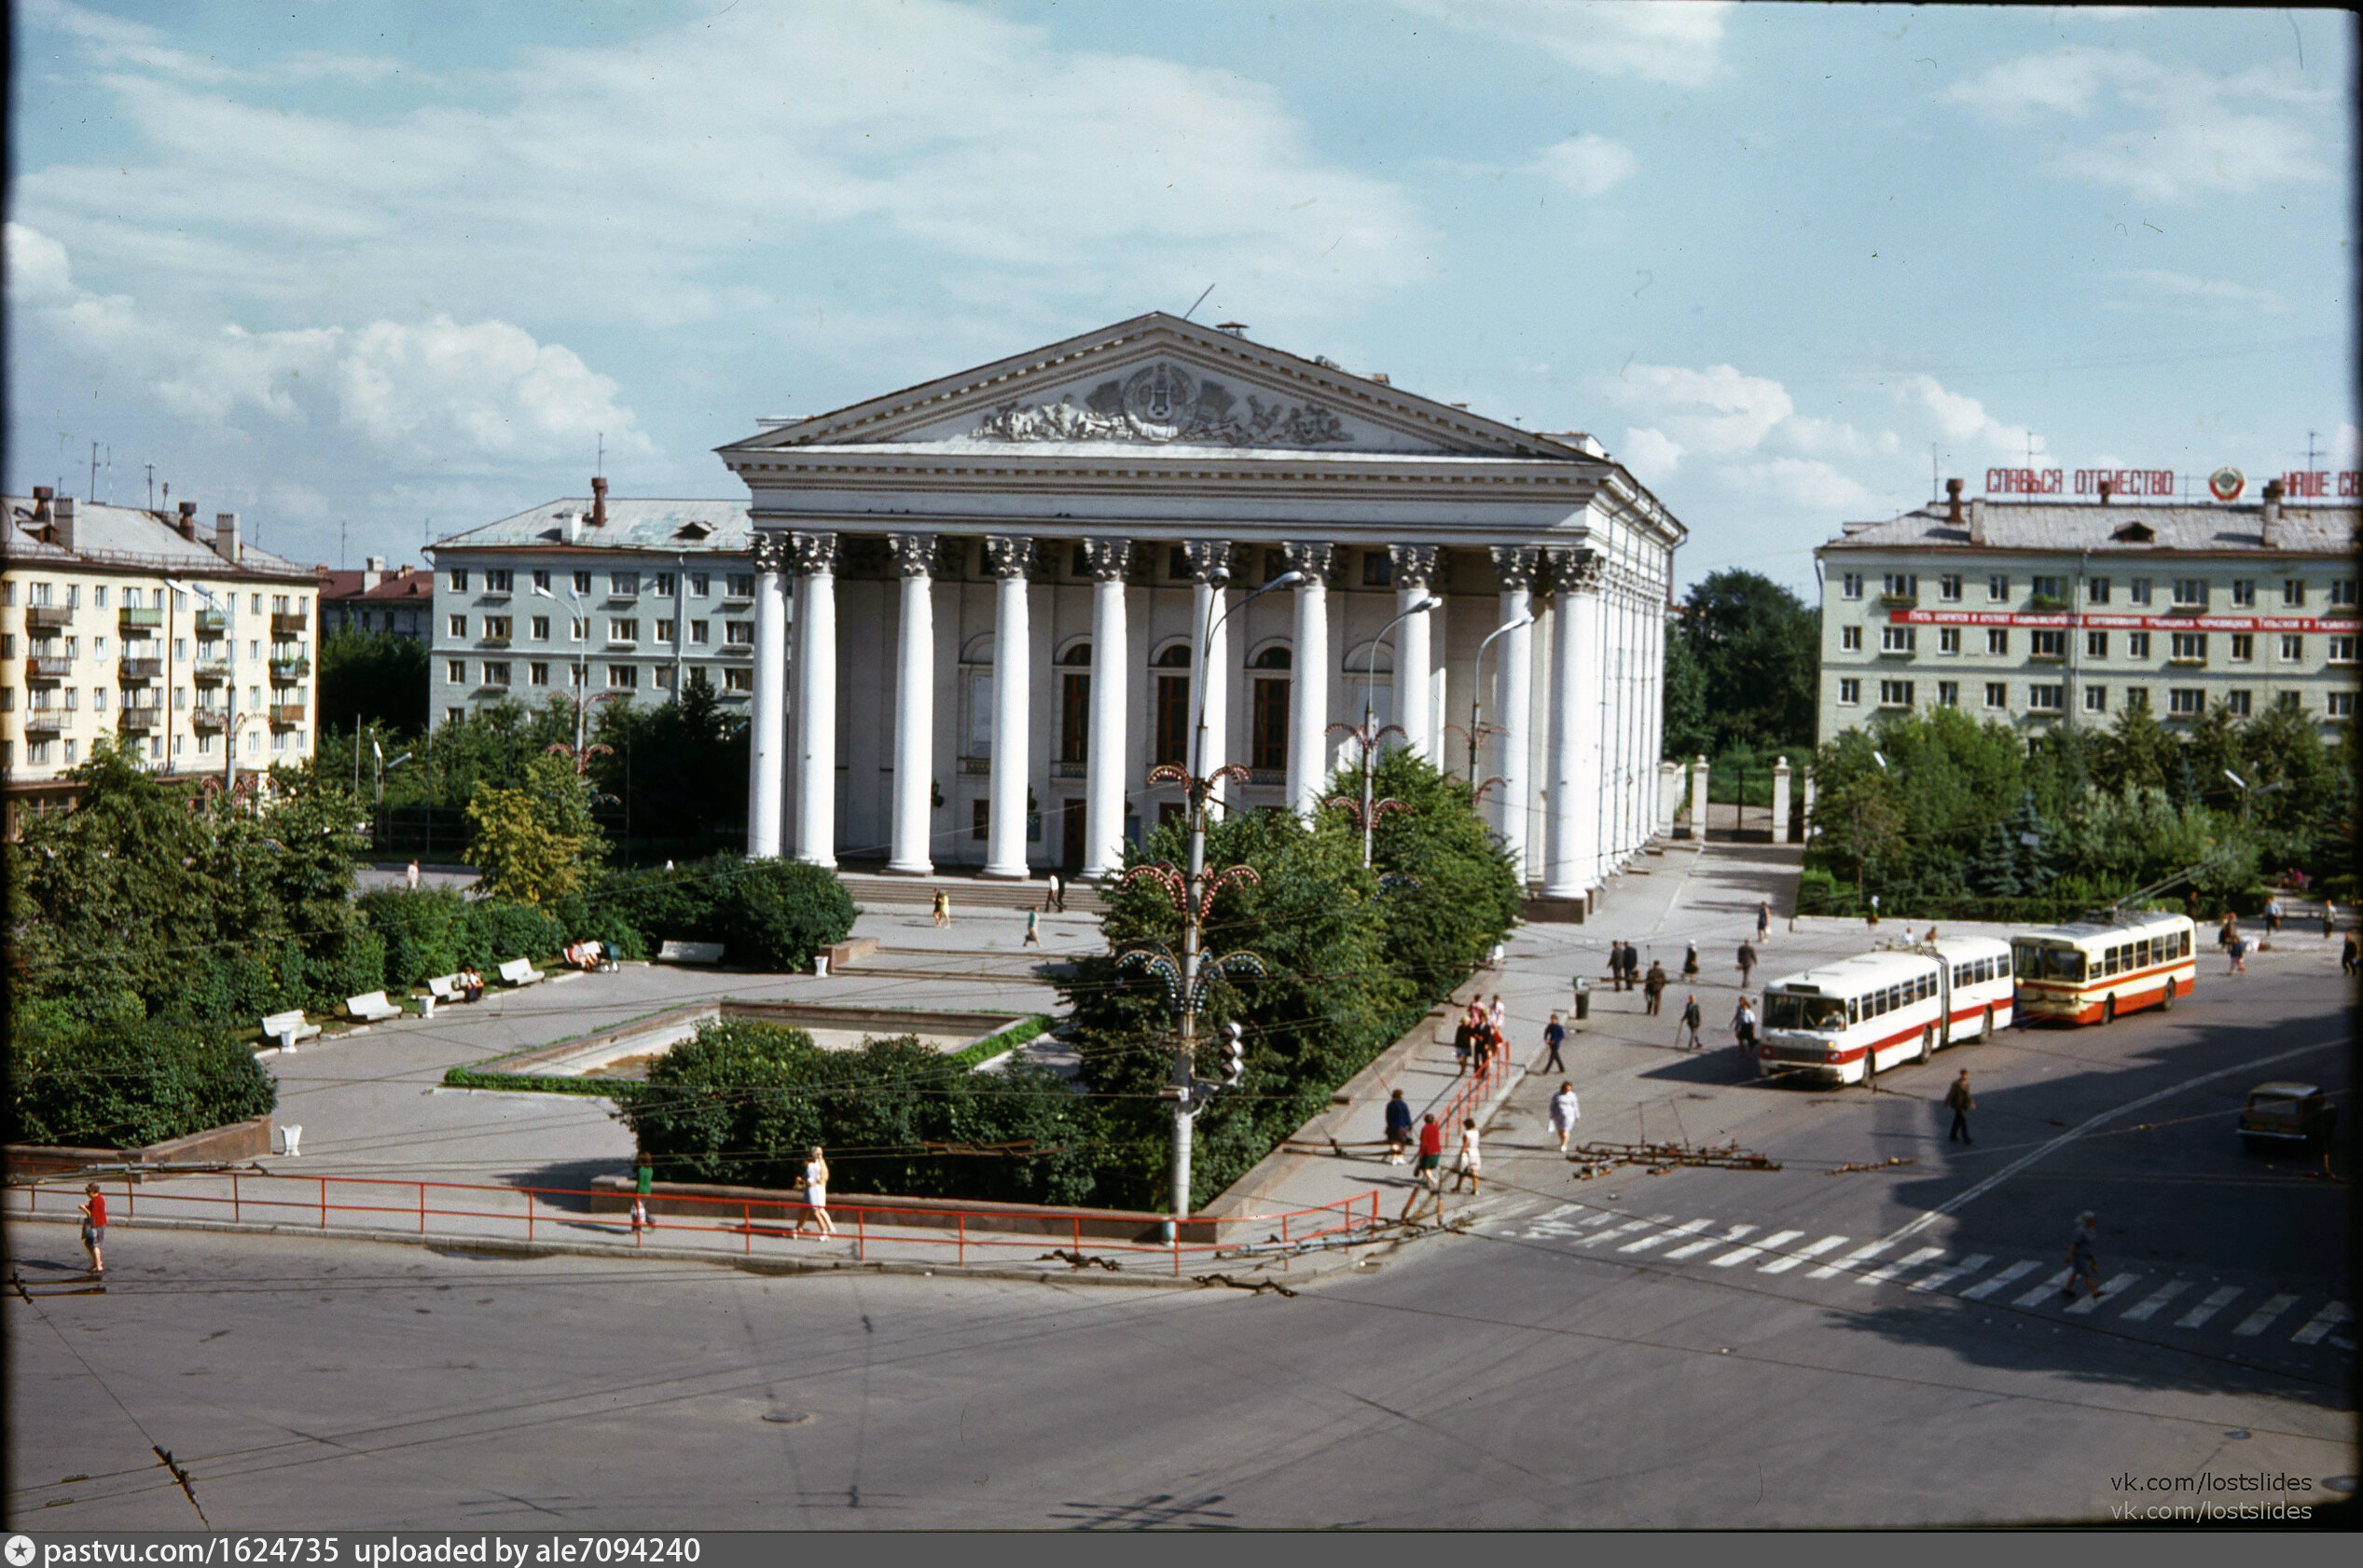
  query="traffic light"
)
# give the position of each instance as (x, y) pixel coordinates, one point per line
(1234, 1053)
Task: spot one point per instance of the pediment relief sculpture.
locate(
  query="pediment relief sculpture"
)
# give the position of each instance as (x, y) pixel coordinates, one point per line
(1164, 402)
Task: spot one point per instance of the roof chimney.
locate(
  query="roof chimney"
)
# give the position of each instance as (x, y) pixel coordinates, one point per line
(2107, 486)
(373, 571)
(599, 502)
(1953, 502)
(1977, 520)
(2272, 493)
(42, 496)
(60, 530)
(226, 536)
(571, 523)
(187, 524)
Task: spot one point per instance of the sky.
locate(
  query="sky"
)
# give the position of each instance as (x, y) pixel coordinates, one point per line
(372, 275)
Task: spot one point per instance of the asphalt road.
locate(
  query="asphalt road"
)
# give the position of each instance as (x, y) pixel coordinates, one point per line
(1514, 1376)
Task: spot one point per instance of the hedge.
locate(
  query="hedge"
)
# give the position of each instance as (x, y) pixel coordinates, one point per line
(127, 1082)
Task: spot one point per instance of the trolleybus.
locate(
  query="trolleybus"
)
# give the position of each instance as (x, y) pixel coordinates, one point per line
(1858, 1016)
(2091, 971)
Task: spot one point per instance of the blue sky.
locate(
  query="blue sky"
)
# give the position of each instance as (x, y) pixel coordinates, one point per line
(350, 268)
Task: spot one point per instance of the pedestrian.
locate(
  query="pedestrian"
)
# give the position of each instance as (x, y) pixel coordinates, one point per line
(2272, 917)
(411, 876)
(1464, 1039)
(644, 1180)
(1554, 1035)
(2239, 955)
(816, 1193)
(1743, 1025)
(1746, 963)
(1427, 1177)
(1692, 1018)
(1655, 986)
(1565, 1112)
(1033, 928)
(94, 1225)
(1498, 1016)
(1471, 1165)
(1690, 962)
(2084, 1259)
(1057, 898)
(1930, 937)
(2229, 928)
(1398, 1127)
(2351, 955)
(1957, 1100)
(2329, 918)
(943, 909)
(1764, 918)
(1874, 909)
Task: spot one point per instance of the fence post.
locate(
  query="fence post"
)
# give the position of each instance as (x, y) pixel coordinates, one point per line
(324, 1202)
(861, 1234)
(234, 1215)
(746, 1223)
(1077, 1221)
(963, 1239)
(422, 1208)
(128, 1209)
(529, 1214)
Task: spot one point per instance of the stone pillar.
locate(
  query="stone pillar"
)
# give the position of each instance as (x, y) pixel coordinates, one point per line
(815, 560)
(768, 720)
(1780, 801)
(1670, 793)
(1415, 571)
(1308, 702)
(1210, 665)
(1110, 670)
(1698, 800)
(1513, 565)
(1809, 805)
(1008, 559)
(1570, 854)
(914, 819)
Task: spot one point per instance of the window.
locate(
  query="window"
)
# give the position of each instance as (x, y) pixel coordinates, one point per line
(2138, 590)
(697, 631)
(2045, 699)
(1895, 694)
(666, 583)
(2339, 705)
(36, 750)
(581, 582)
(69, 751)
(623, 584)
(2096, 645)
(459, 625)
(2243, 593)
(980, 820)
(623, 678)
(2341, 649)
(1177, 563)
(542, 578)
(498, 625)
(2095, 590)
(2048, 644)
(1849, 692)
(574, 676)
(450, 716)
(180, 647)
(742, 585)
(2189, 591)
(1997, 694)
(2136, 645)
(180, 698)
(496, 674)
(2048, 587)
(1948, 640)
(700, 583)
(254, 602)
(1268, 735)
(578, 627)
(1897, 640)
(1998, 588)
(1378, 570)
(498, 579)
(2289, 702)
(38, 594)
(1173, 715)
(2185, 702)
(2188, 648)
(456, 671)
(665, 630)
(459, 581)
(2096, 699)
(2236, 703)
(1948, 694)
(1851, 585)
(537, 674)
(1850, 639)
(1948, 587)
(2243, 646)
(2293, 648)
(2137, 697)
(1900, 584)
(2343, 593)
(2293, 591)
(739, 633)
(664, 678)
(1998, 641)
(541, 628)
(738, 677)
(622, 629)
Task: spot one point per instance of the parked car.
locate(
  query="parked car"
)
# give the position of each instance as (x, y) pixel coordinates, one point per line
(2286, 1116)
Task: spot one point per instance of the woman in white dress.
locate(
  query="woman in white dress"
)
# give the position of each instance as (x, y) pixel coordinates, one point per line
(816, 1193)
(1470, 1165)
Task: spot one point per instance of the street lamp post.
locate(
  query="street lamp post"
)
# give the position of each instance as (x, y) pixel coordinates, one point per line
(1368, 736)
(1477, 690)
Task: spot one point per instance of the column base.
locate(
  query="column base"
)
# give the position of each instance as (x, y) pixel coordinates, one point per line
(921, 868)
(826, 862)
(1007, 874)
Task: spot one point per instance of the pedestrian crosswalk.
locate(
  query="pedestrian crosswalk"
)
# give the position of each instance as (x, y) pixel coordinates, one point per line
(2127, 1296)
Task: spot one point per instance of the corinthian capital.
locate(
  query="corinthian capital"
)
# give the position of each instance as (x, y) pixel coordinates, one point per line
(812, 553)
(914, 554)
(1573, 571)
(1414, 564)
(1008, 555)
(770, 551)
(1209, 559)
(1514, 565)
(1107, 559)
(1313, 560)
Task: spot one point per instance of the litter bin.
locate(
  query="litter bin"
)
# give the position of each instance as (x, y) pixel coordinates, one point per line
(1583, 1001)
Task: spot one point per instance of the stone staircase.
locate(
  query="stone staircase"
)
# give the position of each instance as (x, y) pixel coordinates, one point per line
(874, 889)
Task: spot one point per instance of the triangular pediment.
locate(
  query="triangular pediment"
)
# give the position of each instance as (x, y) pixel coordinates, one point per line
(1159, 381)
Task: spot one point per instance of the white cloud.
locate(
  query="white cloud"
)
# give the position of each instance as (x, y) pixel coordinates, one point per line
(1716, 411)
(2164, 293)
(1588, 165)
(1651, 454)
(2066, 82)
(1963, 421)
(1657, 40)
(1808, 483)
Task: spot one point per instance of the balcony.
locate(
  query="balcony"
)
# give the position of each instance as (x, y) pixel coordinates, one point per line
(976, 766)
(2188, 661)
(42, 667)
(489, 640)
(210, 672)
(211, 623)
(1069, 770)
(139, 720)
(286, 715)
(43, 722)
(208, 720)
(139, 623)
(2045, 604)
(48, 617)
(287, 624)
(2179, 609)
(1898, 653)
(283, 671)
(738, 649)
(1275, 776)
(2054, 657)
(1899, 601)
(140, 669)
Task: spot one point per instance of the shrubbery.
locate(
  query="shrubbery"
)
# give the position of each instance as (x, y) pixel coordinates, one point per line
(124, 1081)
(768, 914)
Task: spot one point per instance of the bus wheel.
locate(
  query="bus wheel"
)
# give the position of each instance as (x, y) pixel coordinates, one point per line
(1928, 1042)
(1987, 1033)
(2167, 1001)
(2108, 1011)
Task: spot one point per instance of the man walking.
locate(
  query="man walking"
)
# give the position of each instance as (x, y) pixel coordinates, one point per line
(94, 1226)
(1692, 1018)
(1057, 898)
(1655, 986)
(1746, 963)
(2272, 917)
(1764, 918)
(411, 876)
(1428, 1178)
(943, 909)
(2084, 1258)
(1554, 1035)
(2350, 956)
(1565, 1112)
(1957, 1100)
(1398, 1127)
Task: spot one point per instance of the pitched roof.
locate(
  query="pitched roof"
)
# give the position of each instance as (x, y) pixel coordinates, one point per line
(666, 527)
(2124, 528)
(135, 538)
(409, 583)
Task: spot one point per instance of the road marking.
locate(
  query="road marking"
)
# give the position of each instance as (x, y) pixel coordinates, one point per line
(2011, 1275)
(2197, 1316)
(2257, 1321)
(1687, 1228)
(2321, 1323)
(2107, 1292)
(2050, 1287)
(1862, 1254)
(1625, 1229)
(1692, 1249)
(2159, 1298)
(1782, 1265)
(1741, 1255)
(1550, 1227)
(1909, 1260)
(1969, 1265)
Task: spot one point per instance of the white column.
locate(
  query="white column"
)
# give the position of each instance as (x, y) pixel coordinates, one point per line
(1211, 667)
(1007, 558)
(1513, 688)
(1698, 798)
(1414, 570)
(815, 559)
(1780, 801)
(767, 723)
(1570, 853)
(1308, 702)
(1627, 675)
(1110, 674)
(915, 708)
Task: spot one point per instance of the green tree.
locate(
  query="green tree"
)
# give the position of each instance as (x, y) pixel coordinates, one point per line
(1758, 650)
(1688, 731)
(376, 677)
(2138, 752)
(680, 768)
(533, 843)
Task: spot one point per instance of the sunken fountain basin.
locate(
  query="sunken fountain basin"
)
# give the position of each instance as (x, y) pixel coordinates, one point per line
(627, 1051)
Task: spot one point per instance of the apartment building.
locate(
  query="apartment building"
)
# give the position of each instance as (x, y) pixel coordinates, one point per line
(597, 599)
(194, 650)
(374, 599)
(2033, 612)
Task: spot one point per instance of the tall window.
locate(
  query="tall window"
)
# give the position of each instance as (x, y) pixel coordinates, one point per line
(1268, 738)
(1173, 706)
(1074, 704)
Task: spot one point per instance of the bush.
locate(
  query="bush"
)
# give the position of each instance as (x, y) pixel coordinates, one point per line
(776, 914)
(127, 1083)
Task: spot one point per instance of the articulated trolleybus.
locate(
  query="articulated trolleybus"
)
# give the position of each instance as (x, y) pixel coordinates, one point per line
(2091, 971)
(1864, 1014)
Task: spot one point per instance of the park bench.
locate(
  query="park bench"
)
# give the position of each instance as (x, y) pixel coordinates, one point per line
(445, 988)
(521, 971)
(289, 1027)
(371, 1008)
(689, 953)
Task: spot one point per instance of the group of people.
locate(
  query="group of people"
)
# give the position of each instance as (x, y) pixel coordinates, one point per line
(585, 955)
(468, 984)
(1480, 1039)
(1428, 1179)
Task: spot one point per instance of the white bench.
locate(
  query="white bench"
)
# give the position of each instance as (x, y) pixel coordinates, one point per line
(445, 988)
(689, 953)
(289, 1027)
(521, 971)
(371, 1008)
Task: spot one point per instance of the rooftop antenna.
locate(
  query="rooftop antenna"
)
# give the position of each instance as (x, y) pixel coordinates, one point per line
(340, 544)
(1936, 483)
(1195, 303)
(94, 473)
(151, 487)
(599, 466)
(2309, 451)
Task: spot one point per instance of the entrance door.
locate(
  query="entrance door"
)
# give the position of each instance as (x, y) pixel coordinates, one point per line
(1071, 838)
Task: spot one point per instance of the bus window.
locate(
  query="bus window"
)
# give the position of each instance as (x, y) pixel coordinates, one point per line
(2185, 944)
(2063, 963)
(1854, 1011)
(2002, 967)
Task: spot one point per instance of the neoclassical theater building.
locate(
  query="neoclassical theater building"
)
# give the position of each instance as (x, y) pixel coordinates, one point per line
(997, 587)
